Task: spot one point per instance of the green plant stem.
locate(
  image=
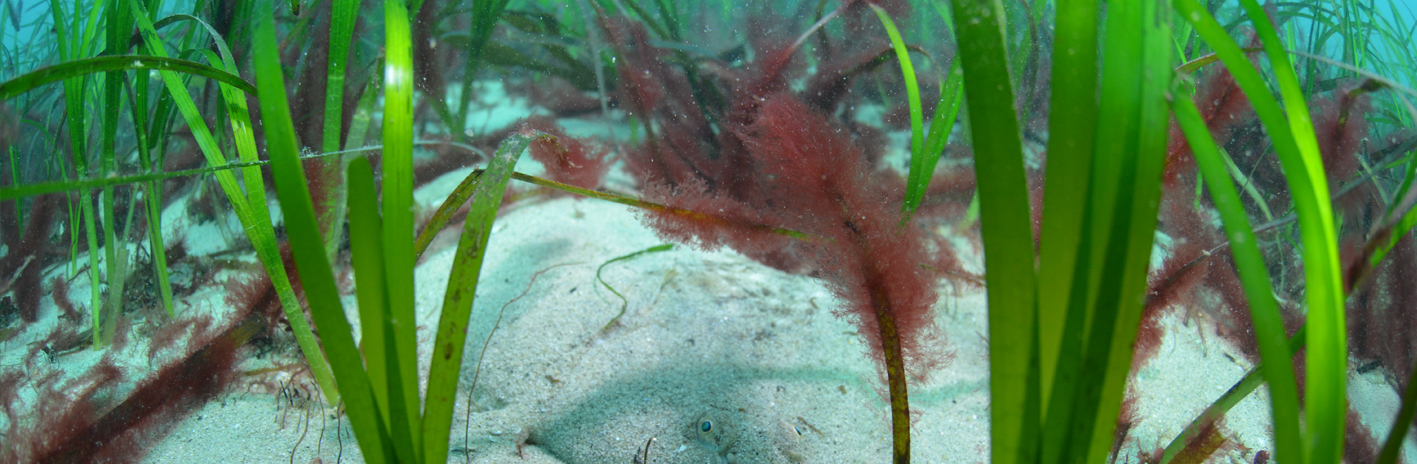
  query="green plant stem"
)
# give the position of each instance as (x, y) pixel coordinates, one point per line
(895, 377)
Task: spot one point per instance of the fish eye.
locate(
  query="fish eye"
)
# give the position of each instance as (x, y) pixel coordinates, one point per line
(795, 429)
(706, 426)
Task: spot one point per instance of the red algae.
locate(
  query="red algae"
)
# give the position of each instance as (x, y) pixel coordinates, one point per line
(59, 291)
(1358, 442)
(1381, 319)
(818, 187)
(568, 160)
(768, 160)
(77, 422)
(27, 257)
(122, 434)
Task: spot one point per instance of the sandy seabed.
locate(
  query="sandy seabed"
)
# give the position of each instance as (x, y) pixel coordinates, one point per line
(705, 335)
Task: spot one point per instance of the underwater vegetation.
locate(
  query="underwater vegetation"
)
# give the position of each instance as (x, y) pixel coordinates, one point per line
(1247, 168)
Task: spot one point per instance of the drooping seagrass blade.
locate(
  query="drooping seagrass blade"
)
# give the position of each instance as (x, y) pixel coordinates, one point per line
(446, 367)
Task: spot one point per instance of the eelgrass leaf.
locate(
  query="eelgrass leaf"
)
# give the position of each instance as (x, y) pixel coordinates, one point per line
(624, 303)
(647, 19)
(918, 179)
(922, 168)
(227, 59)
(1326, 360)
(397, 199)
(152, 190)
(235, 110)
(497, 54)
(1005, 225)
(451, 335)
(1254, 276)
(573, 70)
(450, 205)
(1294, 142)
(1120, 220)
(1134, 226)
(464, 190)
(1403, 223)
(341, 31)
(116, 34)
(1249, 187)
(1090, 314)
(1072, 126)
(72, 69)
(1203, 60)
(1218, 408)
(946, 113)
(366, 235)
(376, 322)
(485, 15)
(343, 13)
(70, 44)
(638, 203)
(307, 246)
(29, 190)
(364, 112)
(671, 19)
(250, 205)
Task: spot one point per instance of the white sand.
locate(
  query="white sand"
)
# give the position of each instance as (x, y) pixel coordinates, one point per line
(703, 332)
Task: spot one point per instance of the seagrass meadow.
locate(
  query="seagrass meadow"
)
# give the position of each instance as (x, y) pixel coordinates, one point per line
(675, 231)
